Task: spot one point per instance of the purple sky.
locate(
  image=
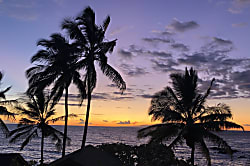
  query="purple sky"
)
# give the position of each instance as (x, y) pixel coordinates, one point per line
(155, 38)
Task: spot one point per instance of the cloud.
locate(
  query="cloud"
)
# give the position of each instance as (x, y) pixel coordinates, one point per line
(125, 53)
(179, 47)
(234, 11)
(221, 41)
(165, 32)
(124, 93)
(166, 65)
(111, 85)
(246, 124)
(132, 71)
(105, 121)
(161, 54)
(146, 96)
(119, 30)
(179, 26)
(81, 121)
(156, 40)
(24, 10)
(124, 122)
(242, 24)
(71, 104)
(238, 6)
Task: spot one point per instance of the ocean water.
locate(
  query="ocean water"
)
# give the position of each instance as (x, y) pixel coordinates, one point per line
(238, 140)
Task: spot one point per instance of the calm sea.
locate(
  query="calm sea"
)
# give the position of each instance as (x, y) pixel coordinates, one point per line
(238, 140)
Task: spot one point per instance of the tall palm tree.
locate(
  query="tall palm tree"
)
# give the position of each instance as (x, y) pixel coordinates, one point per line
(57, 68)
(95, 47)
(36, 118)
(3, 110)
(184, 116)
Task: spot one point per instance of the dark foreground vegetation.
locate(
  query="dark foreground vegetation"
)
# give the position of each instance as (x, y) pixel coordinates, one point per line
(71, 59)
(143, 155)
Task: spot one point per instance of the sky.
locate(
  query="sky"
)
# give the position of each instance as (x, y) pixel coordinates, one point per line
(155, 39)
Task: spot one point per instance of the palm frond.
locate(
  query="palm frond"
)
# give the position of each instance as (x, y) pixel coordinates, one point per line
(113, 75)
(81, 86)
(106, 23)
(73, 31)
(42, 56)
(25, 121)
(185, 86)
(20, 129)
(5, 112)
(160, 132)
(179, 104)
(220, 125)
(87, 20)
(203, 99)
(28, 139)
(219, 141)
(9, 102)
(4, 128)
(60, 118)
(2, 93)
(106, 47)
(57, 91)
(55, 136)
(50, 113)
(205, 151)
(215, 117)
(32, 113)
(177, 140)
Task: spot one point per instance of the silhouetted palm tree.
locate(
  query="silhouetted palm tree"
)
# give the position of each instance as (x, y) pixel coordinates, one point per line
(3, 110)
(91, 38)
(36, 118)
(57, 68)
(184, 116)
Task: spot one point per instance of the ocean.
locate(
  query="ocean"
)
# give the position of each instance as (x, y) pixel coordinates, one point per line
(238, 140)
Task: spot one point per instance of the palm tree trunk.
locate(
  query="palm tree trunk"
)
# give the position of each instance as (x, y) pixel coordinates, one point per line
(192, 155)
(87, 116)
(42, 143)
(66, 122)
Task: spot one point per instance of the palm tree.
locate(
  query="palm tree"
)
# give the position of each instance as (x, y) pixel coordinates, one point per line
(57, 68)
(184, 116)
(95, 47)
(37, 116)
(3, 110)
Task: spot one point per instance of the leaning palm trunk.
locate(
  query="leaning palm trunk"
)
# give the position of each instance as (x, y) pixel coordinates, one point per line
(66, 122)
(192, 156)
(42, 144)
(87, 115)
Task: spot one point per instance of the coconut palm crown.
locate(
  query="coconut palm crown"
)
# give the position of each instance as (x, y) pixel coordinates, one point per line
(3, 109)
(91, 38)
(37, 115)
(56, 66)
(184, 116)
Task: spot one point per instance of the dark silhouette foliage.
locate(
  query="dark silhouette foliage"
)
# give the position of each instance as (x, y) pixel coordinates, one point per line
(3, 109)
(185, 116)
(94, 46)
(57, 67)
(36, 117)
(143, 155)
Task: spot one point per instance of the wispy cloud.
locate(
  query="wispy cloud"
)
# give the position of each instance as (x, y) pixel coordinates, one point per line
(178, 26)
(238, 6)
(242, 24)
(24, 10)
(132, 71)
